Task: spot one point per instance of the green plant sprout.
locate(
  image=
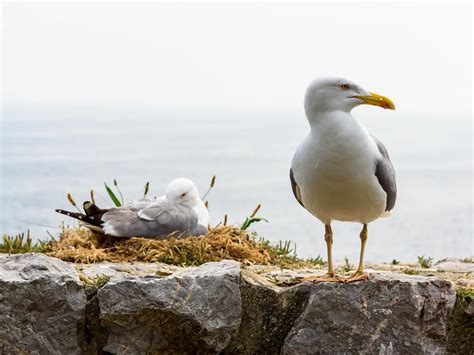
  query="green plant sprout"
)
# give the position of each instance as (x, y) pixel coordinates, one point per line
(23, 243)
(424, 262)
(347, 266)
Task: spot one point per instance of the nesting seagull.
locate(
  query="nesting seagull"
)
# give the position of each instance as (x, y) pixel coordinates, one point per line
(180, 211)
(340, 172)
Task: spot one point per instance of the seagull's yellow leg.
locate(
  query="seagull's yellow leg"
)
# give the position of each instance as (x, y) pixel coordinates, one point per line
(330, 275)
(328, 239)
(360, 274)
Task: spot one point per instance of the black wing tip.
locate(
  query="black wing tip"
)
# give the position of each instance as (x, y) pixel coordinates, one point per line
(67, 213)
(94, 220)
(391, 200)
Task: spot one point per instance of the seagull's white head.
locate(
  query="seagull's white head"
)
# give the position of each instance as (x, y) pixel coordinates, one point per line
(182, 191)
(339, 94)
(185, 192)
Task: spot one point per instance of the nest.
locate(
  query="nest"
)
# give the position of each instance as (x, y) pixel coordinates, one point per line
(81, 245)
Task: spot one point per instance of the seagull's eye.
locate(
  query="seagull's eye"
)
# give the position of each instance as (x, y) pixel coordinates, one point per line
(345, 87)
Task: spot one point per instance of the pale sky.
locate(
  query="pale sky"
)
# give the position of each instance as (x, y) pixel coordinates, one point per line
(240, 56)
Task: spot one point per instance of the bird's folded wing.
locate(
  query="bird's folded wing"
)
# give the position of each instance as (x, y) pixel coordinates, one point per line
(140, 204)
(295, 188)
(156, 220)
(385, 174)
(173, 216)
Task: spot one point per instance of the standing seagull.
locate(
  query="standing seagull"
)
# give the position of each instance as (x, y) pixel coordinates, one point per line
(180, 211)
(341, 172)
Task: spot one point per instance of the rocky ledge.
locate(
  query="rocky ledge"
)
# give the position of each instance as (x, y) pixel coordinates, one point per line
(48, 306)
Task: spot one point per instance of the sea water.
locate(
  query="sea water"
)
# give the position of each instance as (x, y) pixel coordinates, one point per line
(47, 153)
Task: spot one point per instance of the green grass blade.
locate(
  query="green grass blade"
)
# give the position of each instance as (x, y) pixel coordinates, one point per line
(112, 196)
(248, 221)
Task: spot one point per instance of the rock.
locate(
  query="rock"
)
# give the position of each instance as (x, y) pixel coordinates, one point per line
(95, 336)
(221, 307)
(196, 308)
(470, 309)
(268, 313)
(42, 306)
(460, 337)
(389, 313)
(453, 264)
(122, 270)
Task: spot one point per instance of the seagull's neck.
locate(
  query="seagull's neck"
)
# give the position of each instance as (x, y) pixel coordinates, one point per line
(338, 128)
(331, 120)
(339, 131)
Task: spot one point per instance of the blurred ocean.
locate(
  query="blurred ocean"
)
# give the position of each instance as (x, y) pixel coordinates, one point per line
(47, 153)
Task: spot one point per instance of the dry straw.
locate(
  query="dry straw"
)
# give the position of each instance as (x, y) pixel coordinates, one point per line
(81, 245)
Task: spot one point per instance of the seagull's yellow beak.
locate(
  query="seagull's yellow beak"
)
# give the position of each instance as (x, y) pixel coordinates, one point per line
(377, 100)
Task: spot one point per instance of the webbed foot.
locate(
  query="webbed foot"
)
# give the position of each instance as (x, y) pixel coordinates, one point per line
(323, 278)
(358, 276)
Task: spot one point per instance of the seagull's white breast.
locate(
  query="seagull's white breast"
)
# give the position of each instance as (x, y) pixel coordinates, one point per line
(334, 170)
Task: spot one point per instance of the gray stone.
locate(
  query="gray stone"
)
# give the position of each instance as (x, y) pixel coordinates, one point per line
(268, 313)
(455, 265)
(42, 306)
(123, 270)
(390, 313)
(460, 337)
(223, 308)
(470, 309)
(195, 309)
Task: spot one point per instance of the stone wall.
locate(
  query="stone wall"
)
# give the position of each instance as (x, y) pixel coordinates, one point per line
(221, 308)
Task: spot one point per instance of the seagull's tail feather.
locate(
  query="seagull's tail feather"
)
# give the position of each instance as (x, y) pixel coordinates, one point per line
(82, 217)
(92, 228)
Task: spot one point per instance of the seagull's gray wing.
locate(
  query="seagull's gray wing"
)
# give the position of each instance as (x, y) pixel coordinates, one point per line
(295, 188)
(140, 204)
(385, 174)
(159, 219)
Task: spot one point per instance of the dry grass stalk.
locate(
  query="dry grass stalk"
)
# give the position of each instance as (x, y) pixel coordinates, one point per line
(254, 213)
(73, 202)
